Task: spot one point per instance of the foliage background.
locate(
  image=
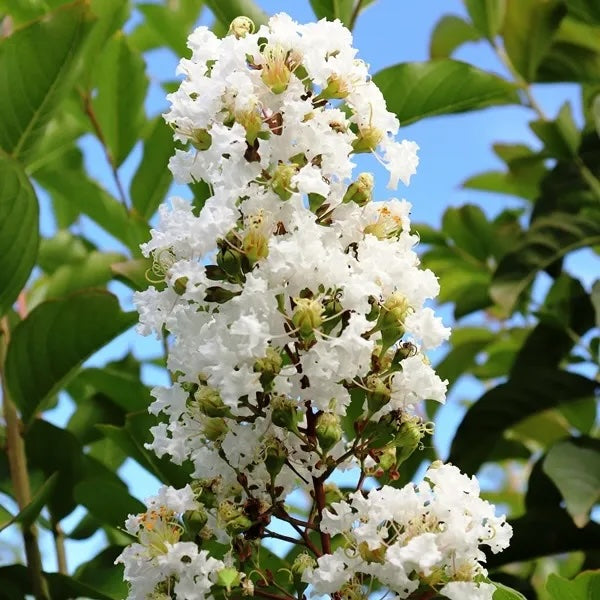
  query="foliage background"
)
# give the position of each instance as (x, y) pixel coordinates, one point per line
(516, 253)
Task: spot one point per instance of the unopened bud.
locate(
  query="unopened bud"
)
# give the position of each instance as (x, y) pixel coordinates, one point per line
(328, 429)
(307, 315)
(367, 140)
(270, 364)
(194, 521)
(275, 455)
(214, 429)
(360, 191)
(209, 402)
(232, 517)
(284, 412)
(379, 393)
(230, 261)
(179, 285)
(394, 311)
(201, 139)
(241, 26)
(407, 439)
(281, 180)
(387, 459)
(228, 577)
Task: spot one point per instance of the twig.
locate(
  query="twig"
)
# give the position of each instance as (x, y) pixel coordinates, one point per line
(59, 545)
(17, 460)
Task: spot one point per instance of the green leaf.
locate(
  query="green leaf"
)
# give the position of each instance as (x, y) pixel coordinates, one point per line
(133, 272)
(586, 586)
(60, 249)
(507, 404)
(581, 415)
(449, 33)
(225, 12)
(549, 239)
(168, 25)
(49, 345)
(121, 84)
(529, 27)
(587, 11)
(153, 178)
(19, 236)
(36, 68)
(470, 230)
(561, 137)
(575, 470)
(108, 502)
(102, 574)
(595, 298)
(30, 512)
(336, 9)
(487, 15)
(93, 271)
(505, 593)
(418, 90)
(566, 61)
(498, 182)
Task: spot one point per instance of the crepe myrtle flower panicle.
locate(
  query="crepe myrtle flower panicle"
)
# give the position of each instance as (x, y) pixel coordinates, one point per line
(297, 320)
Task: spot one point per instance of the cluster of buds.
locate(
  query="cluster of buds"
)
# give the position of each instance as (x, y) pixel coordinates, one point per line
(295, 305)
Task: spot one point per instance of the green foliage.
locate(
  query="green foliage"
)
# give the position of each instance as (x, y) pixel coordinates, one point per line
(585, 586)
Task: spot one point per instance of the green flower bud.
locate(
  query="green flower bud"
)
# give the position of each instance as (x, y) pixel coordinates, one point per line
(301, 563)
(379, 393)
(284, 412)
(328, 429)
(307, 315)
(194, 521)
(281, 180)
(361, 190)
(387, 459)
(232, 517)
(275, 71)
(205, 491)
(270, 364)
(209, 403)
(214, 429)
(230, 261)
(179, 285)
(228, 577)
(367, 139)
(241, 26)
(275, 455)
(408, 439)
(252, 122)
(201, 139)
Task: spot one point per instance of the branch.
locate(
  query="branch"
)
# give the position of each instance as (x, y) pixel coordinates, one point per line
(17, 460)
(59, 544)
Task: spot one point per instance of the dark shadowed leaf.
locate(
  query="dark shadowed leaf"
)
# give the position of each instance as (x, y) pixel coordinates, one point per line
(19, 236)
(529, 27)
(418, 90)
(587, 11)
(507, 404)
(47, 347)
(37, 64)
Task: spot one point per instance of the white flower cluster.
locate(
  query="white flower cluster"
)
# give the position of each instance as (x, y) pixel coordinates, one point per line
(290, 295)
(417, 535)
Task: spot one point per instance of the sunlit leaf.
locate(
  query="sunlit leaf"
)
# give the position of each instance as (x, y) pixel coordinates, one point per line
(449, 33)
(586, 586)
(487, 15)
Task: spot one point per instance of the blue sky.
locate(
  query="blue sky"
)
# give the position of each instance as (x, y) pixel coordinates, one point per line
(452, 149)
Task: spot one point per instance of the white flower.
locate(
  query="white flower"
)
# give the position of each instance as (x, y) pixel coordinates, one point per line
(466, 590)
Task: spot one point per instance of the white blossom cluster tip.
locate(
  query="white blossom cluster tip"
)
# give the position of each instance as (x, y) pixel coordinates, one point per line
(427, 534)
(291, 294)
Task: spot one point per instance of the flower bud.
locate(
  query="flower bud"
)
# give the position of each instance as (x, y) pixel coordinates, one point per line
(194, 521)
(252, 122)
(360, 191)
(407, 439)
(275, 456)
(205, 491)
(307, 315)
(201, 139)
(394, 311)
(255, 245)
(387, 458)
(332, 493)
(284, 412)
(268, 367)
(367, 139)
(209, 402)
(379, 393)
(281, 180)
(275, 70)
(214, 429)
(301, 563)
(328, 429)
(179, 285)
(232, 517)
(228, 577)
(230, 260)
(241, 26)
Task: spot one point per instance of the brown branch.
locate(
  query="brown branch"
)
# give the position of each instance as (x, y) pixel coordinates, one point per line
(59, 545)
(17, 461)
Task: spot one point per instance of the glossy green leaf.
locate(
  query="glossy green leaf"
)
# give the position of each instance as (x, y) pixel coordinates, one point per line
(570, 61)
(30, 512)
(37, 64)
(470, 230)
(560, 137)
(102, 574)
(586, 586)
(121, 84)
(109, 503)
(225, 12)
(153, 178)
(498, 182)
(581, 415)
(19, 237)
(529, 27)
(47, 347)
(575, 470)
(507, 404)
(549, 239)
(168, 24)
(505, 593)
(418, 90)
(587, 11)
(449, 33)
(487, 15)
